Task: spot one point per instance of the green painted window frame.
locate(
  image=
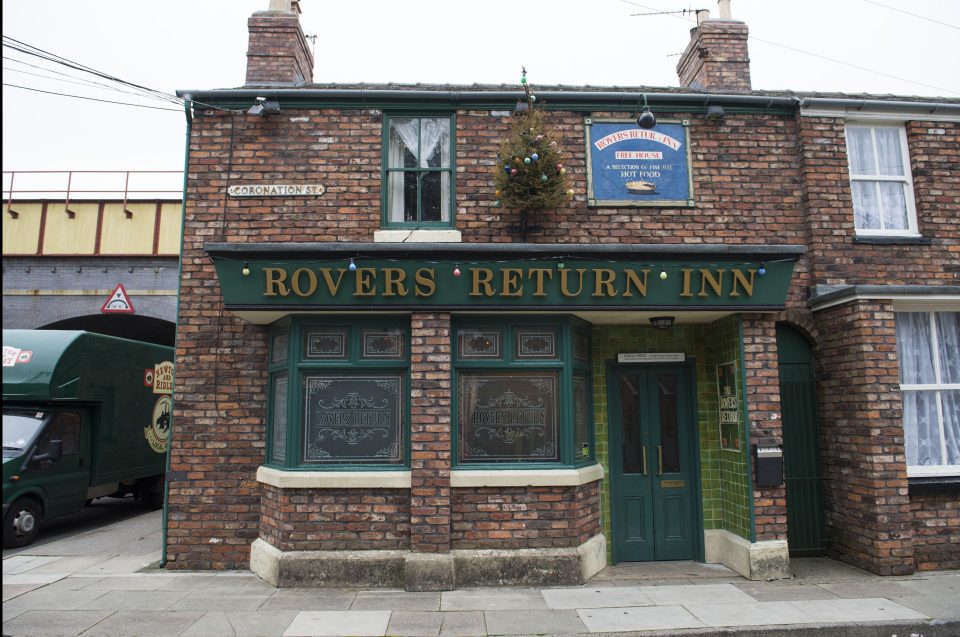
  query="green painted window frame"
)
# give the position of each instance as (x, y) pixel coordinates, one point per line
(385, 172)
(565, 364)
(296, 365)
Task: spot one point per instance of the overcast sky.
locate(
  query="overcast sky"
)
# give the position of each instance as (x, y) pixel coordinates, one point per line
(900, 47)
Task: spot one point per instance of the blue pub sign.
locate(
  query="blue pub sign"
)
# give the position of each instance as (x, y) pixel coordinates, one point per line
(631, 166)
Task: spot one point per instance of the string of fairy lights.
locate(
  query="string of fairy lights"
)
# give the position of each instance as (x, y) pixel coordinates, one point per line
(352, 264)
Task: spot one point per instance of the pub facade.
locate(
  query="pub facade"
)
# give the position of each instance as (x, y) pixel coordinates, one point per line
(736, 340)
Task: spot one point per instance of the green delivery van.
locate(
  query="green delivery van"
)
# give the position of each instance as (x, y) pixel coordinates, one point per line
(84, 416)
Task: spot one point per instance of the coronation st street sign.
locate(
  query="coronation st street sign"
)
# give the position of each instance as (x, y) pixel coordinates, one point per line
(499, 284)
(277, 190)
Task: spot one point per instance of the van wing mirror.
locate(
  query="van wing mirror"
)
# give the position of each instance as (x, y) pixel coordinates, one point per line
(53, 453)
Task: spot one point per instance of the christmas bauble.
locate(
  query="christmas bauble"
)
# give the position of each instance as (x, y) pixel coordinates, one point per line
(534, 157)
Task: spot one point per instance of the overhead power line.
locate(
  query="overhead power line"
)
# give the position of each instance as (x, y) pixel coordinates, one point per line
(915, 15)
(810, 53)
(94, 99)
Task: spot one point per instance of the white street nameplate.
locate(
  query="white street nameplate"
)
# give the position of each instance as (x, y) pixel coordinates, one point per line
(277, 190)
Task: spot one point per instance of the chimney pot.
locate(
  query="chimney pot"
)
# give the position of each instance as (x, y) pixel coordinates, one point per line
(716, 59)
(724, 9)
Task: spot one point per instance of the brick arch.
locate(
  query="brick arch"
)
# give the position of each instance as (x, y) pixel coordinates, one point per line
(135, 327)
(802, 320)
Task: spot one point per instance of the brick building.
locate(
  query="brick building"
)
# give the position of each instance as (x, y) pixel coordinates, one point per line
(737, 341)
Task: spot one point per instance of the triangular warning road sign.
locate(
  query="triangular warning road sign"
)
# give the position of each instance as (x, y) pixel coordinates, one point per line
(118, 302)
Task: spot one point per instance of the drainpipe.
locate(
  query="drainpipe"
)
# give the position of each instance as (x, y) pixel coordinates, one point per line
(183, 216)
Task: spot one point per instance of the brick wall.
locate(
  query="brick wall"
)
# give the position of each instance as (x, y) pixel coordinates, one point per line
(335, 519)
(836, 257)
(524, 517)
(864, 468)
(758, 179)
(761, 375)
(430, 406)
(936, 531)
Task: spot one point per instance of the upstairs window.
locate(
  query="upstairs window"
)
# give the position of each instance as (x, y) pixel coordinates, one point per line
(928, 346)
(418, 171)
(880, 180)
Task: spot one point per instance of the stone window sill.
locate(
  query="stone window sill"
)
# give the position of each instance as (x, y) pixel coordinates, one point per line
(892, 240)
(417, 236)
(526, 477)
(334, 479)
(934, 485)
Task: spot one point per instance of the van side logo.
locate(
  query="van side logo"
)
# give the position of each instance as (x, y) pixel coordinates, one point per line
(157, 432)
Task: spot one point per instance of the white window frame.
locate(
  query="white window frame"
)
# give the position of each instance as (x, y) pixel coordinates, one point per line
(906, 179)
(944, 469)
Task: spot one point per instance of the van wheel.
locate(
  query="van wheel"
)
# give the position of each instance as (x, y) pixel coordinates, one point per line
(22, 523)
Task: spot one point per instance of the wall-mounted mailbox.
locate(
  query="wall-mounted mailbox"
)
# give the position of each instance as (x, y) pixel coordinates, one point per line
(768, 466)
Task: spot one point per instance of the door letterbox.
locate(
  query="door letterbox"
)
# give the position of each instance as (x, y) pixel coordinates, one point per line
(768, 466)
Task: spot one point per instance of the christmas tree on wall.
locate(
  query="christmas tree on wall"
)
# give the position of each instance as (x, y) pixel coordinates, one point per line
(529, 175)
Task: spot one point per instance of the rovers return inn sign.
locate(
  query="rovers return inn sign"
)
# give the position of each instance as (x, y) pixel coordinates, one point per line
(252, 281)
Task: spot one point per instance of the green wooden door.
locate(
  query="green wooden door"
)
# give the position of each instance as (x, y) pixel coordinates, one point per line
(801, 444)
(652, 464)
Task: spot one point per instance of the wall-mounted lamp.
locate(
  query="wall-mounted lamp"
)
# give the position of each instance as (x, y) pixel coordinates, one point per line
(646, 118)
(264, 106)
(662, 322)
(715, 111)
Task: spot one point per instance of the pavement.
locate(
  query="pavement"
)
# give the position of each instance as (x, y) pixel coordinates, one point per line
(105, 580)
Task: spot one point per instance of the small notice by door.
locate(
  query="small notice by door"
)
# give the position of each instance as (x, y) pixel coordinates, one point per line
(652, 357)
(729, 416)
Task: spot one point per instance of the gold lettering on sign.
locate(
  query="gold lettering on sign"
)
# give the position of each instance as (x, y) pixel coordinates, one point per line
(739, 278)
(565, 288)
(332, 286)
(636, 282)
(685, 288)
(706, 278)
(274, 278)
(311, 282)
(366, 282)
(603, 280)
(425, 282)
(393, 279)
(538, 274)
(512, 282)
(482, 277)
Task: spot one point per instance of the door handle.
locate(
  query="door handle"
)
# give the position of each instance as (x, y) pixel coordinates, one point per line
(643, 456)
(659, 460)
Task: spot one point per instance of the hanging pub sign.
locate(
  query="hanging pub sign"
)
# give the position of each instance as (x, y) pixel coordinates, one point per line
(632, 166)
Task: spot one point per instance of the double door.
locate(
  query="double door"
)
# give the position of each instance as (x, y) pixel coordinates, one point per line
(652, 464)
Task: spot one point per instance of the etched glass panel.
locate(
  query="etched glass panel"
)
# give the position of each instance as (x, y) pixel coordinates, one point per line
(479, 344)
(278, 347)
(581, 418)
(279, 423)
(354, 419)
(508, 417)
(536, 343)
(581, 346)
(327, 344)
(386, 344)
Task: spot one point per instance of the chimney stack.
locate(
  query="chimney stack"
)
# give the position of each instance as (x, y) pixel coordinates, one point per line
(277, 52)
(716, 60)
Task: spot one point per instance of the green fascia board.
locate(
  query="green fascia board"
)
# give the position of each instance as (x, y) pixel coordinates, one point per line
(496, 278)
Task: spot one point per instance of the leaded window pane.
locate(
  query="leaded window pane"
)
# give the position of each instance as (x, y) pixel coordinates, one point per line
(479, 344)
(508, 417)
(382, 344)
(356, 419)
(278, 347)
(279, 424)
(326, 344)
(581, 417)
(536, 343)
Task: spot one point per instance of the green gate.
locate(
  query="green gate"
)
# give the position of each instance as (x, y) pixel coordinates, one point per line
(801, 444)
